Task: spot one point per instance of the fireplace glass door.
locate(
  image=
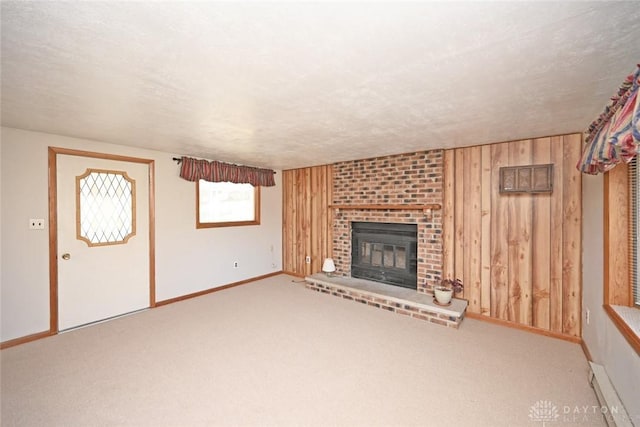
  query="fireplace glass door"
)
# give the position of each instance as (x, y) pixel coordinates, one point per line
(385, 252)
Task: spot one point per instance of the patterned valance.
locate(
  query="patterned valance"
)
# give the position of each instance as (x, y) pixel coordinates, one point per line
(615, 135)
(214, 171)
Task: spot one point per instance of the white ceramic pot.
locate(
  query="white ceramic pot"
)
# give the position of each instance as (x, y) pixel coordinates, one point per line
(443, 295)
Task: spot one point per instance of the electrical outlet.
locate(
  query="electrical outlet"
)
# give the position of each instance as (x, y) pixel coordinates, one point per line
(235, 264)
(36, 224)
(587, 315)
(307, 259)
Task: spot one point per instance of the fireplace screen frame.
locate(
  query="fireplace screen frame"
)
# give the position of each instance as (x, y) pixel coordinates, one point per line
(388, 239)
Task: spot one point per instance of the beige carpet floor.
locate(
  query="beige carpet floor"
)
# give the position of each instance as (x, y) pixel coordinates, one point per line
(274, 353)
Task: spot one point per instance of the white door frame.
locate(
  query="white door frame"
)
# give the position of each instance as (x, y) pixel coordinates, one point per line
(53, 224)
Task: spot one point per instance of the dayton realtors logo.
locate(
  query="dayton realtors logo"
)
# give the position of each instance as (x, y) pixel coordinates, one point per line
(544, 411)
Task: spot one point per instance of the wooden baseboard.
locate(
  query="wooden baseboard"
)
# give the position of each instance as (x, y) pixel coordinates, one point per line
(538, 331)
(216, 289)
(25, 339)
(44, 334)
(586, 351)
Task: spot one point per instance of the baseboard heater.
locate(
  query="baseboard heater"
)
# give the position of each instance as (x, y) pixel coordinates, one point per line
(612, 408)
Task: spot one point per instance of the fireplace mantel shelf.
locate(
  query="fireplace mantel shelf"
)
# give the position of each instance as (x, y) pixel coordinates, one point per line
(433, 206)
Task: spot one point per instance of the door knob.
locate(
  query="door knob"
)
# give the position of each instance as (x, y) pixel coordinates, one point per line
(66, 257)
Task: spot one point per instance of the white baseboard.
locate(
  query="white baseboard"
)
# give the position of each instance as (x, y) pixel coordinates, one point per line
(613, 410)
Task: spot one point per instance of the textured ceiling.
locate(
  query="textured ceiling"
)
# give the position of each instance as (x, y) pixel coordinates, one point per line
(287, 85)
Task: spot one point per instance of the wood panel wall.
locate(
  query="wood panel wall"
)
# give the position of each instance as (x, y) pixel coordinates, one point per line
(518, 255)
(616, 233)
(307, 219)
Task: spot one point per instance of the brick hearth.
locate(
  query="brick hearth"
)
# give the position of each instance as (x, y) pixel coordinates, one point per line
(392, 298)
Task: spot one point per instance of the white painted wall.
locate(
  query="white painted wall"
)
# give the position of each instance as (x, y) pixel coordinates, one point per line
(605, 343)
(187, 260)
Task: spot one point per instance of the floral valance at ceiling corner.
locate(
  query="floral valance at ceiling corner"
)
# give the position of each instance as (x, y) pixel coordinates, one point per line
(195, 169)
(614, 137)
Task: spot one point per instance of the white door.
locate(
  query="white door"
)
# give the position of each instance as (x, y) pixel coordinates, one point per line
(103, 239)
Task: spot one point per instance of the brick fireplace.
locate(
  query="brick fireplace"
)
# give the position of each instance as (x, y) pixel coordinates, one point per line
(409, 180)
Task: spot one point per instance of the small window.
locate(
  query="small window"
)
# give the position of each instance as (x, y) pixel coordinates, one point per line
(225, 204)
(105, 207)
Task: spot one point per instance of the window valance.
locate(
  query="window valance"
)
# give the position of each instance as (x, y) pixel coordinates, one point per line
(615, 135)
(195, 169)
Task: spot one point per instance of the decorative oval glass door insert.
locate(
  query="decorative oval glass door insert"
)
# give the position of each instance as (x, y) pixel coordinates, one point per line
(106, 207)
